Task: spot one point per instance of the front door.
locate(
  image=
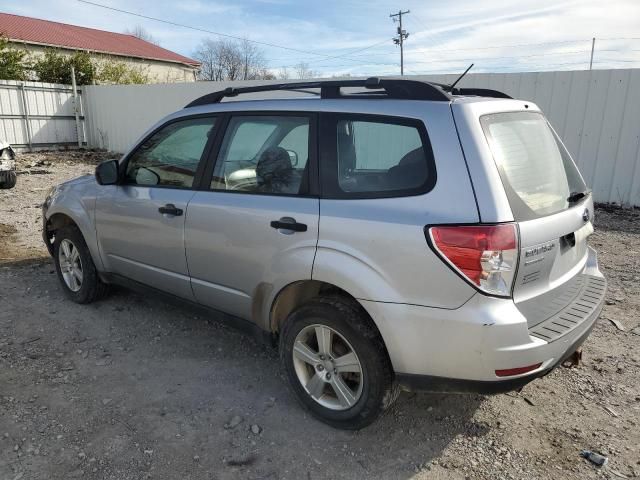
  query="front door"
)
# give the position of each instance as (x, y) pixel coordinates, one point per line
(255, 229)
(140, 222)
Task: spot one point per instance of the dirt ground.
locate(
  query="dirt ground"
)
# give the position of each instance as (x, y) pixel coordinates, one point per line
(133, 388)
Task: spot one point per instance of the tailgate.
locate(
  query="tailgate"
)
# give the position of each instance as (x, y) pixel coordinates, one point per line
(548, 199)
(553, 250)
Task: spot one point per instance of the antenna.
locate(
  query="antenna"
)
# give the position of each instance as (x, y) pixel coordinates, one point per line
(451, 87)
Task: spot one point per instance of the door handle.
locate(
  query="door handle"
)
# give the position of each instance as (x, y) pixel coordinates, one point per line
(288, 223)
(170, 209)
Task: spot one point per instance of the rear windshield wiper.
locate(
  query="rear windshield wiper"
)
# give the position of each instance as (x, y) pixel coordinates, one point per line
(577, 196)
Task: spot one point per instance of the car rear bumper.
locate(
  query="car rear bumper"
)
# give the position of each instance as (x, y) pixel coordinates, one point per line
(460, 350)
(428, 383)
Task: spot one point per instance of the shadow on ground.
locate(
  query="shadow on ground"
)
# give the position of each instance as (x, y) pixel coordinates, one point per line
(132, 387)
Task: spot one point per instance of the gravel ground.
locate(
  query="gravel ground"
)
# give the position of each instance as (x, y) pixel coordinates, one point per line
(133, 388)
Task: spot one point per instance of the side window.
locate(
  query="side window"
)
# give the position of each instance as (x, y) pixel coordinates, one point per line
(381, 157)
(171, 156)
(263, 154)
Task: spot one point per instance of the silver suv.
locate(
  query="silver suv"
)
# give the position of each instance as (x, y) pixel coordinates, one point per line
(388, 234)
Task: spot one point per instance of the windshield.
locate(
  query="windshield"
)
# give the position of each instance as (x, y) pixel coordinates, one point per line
(536, 170)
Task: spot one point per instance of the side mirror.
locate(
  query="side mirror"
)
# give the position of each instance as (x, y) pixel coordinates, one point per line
(294, 158)
(107, 172)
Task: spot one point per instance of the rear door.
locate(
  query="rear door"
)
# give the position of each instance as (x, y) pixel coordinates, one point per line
(549, 200)
(254, 226)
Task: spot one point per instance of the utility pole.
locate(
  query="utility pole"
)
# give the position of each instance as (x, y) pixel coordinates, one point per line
(402, 36)
(593, 47)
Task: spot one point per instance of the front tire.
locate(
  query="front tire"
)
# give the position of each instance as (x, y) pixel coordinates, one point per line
(336, 363)
(75, 268)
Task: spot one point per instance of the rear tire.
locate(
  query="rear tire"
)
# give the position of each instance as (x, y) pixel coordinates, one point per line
(8, 180)
(75, 268)
(328, 344)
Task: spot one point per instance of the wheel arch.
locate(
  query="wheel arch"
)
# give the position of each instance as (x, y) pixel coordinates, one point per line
(298, 293)
(61, 218)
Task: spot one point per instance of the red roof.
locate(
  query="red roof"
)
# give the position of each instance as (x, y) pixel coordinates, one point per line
(44, 32)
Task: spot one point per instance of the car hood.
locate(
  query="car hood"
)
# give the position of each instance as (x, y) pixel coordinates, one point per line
(83, 180)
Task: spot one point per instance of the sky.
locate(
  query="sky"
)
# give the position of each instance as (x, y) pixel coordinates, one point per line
(355, 36)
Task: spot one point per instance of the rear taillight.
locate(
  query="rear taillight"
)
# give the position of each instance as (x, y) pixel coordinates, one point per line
(484, 254)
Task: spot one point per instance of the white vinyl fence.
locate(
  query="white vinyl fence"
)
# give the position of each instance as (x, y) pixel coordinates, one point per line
(597, 114)
(40, 115)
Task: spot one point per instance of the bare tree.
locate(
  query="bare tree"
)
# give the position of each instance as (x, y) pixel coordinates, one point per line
(283, 73)
(253, 62)
(303, 71)
(266, 74)
(140, 32)
(232, 60)
(229, 60)
(208, 54)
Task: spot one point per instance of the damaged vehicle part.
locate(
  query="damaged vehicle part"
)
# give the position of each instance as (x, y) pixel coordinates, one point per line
(8, 176)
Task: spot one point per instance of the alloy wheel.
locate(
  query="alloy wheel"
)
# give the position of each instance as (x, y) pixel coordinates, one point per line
(327, 367)
(70, 265)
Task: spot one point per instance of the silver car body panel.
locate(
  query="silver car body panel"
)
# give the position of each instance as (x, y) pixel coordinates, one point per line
(76, 199)
(545, 264)
(237, 262)
(383, 239)
(139, 242)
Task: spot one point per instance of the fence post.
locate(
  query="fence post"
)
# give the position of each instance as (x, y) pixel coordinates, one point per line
(75, 105)
(25, 108)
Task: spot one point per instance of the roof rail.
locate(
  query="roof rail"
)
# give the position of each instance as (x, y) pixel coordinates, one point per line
(394, 88)
(389, 87)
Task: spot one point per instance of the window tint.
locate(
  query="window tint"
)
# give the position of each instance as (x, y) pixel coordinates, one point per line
(376, 156)
(171, 156)
(297, 140)
(248, 138)
(536, 170)
(263, 154)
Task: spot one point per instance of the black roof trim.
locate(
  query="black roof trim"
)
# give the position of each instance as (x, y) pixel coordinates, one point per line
(385, 88)
(481, 92)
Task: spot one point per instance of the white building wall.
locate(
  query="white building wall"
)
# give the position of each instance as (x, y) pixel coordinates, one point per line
(157, 71)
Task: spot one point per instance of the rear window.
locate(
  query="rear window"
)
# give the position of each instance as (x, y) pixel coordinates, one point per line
(536, 170)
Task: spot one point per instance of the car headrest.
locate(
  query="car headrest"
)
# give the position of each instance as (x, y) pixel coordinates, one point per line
(273, 163)
(414, 156)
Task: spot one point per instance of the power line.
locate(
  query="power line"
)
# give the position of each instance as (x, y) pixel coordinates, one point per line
(434, 50)
(431, 50)
(348, 55)
(354, 51)
(365, 62)
(415, 18)
(273, 45)
(448, 70)
(571, 52)
(478, 59)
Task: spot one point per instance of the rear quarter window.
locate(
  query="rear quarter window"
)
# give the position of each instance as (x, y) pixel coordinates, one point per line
(375, 157)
